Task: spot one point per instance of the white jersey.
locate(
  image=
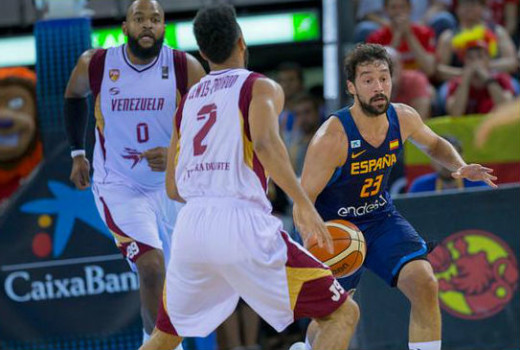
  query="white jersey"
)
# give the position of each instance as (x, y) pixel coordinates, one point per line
(216, 157)
(134, 112)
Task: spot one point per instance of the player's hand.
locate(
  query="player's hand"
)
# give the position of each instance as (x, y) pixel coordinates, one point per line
(80, 174)
(309, 223)
(156, 158)
(476, 172)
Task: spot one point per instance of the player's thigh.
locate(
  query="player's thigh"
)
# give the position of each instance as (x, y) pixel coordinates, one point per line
(197, 298)
(285, 283)
(395, 244)
(130, 217)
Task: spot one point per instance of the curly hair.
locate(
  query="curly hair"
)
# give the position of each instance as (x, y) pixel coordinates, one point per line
(363, 54)
(217, 31)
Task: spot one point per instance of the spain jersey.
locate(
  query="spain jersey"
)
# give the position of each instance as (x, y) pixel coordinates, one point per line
(216, 156)
(358, 190)
(134, 110)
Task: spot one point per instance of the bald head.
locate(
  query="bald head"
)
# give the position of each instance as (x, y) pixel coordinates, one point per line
(144, 28)
(144, 6)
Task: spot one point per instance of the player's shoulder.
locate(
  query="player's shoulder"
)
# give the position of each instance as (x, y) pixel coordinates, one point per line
(406, 113)
(87, 55)
(263, 85)
(331, 133)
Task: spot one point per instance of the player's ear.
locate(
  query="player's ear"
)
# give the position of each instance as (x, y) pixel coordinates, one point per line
(351, 88)
(242, 43)
(125, 29)
(203, 56)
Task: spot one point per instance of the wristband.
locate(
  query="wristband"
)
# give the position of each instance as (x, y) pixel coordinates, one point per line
(77, 152)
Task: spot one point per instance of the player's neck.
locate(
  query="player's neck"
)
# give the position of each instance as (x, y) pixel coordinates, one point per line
(136, 60)
(231, 63)
(369, 127)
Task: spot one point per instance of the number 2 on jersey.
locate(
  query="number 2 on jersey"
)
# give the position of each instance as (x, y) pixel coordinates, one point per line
(208, 112)
(371, 186)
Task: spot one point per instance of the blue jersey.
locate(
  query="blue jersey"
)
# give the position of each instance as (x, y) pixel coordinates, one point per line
(357, 190)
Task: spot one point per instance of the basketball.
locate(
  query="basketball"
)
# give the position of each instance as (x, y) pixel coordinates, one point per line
(349, 248)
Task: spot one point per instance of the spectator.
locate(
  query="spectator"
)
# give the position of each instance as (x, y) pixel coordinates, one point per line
(471, 23)
(434, 13)
(478, 90)
(504, 13)
(410, 87)
(290, 77)
(308, 119)
(415, 43)
(441, 179)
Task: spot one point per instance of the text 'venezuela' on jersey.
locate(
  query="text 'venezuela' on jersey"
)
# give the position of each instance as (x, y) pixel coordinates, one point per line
(358, 190)
(134, 109)
(215, 155)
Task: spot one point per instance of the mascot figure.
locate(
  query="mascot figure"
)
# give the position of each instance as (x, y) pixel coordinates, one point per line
(20, 146)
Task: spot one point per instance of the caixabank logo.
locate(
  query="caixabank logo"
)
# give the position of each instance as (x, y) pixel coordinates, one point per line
(477, 273)
(57, 256)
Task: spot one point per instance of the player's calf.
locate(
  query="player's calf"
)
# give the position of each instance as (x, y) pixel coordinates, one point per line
(336, 330)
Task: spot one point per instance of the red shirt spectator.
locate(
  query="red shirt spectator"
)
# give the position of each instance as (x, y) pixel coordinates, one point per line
(479, 100)
(412, 85)
(424, 34)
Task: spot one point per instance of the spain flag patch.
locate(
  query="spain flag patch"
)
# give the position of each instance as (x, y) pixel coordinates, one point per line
(394, 144)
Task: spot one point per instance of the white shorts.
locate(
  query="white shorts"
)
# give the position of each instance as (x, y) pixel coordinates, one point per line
(225, 249)
(139, 220)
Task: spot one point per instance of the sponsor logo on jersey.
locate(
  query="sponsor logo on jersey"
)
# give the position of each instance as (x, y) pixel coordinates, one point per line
(394, 144)
(114, 91)
(165, 72)
(365, 209)
(371, 165)
(114, 74)
(355, 155)
(355, 143)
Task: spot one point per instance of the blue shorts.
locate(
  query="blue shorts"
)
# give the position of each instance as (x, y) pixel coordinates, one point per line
(391, 243)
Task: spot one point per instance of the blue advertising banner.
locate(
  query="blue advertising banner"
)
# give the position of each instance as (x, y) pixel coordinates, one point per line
(60, 272)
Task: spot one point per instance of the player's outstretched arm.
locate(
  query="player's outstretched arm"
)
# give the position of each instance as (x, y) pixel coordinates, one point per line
(413, 128)
(76, 115)
(503, 115)
(327, 151)
(266, 105)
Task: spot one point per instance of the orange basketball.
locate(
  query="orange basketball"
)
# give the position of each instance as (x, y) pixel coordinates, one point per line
(349, 248)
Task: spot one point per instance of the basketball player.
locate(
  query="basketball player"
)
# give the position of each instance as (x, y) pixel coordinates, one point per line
(346, 172)
(136, 88)
(226, 244)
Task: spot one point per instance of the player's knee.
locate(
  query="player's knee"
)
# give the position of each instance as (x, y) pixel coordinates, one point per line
(347, 315)
(423, 287)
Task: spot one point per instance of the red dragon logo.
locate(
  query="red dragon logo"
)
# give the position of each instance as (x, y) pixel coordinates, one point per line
(477, 274)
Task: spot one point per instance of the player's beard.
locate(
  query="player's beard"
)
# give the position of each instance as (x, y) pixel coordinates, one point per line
(145, 53)
(372, 111)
